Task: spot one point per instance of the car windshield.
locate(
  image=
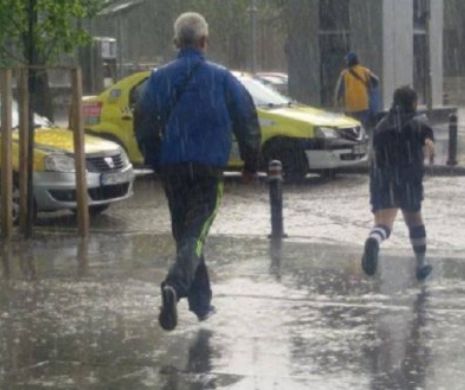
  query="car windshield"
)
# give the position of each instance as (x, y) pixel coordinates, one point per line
(39, 121)
(262, 95)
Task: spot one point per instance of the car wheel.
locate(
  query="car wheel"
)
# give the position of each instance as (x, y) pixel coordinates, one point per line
(328, 174)
(292, 157)
(16, 204)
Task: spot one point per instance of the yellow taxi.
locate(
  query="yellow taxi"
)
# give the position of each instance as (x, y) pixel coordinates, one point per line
(304, 138)
(109, 173)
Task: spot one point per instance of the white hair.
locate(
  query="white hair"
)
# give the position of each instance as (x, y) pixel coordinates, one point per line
(189, 28)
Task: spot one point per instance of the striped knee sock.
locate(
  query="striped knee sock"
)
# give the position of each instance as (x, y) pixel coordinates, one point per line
(418, 241)
(380, 233)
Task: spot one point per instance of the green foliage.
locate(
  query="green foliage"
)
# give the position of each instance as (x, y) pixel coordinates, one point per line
(47, 28)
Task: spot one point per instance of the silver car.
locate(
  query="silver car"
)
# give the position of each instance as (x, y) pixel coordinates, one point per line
(110, 175)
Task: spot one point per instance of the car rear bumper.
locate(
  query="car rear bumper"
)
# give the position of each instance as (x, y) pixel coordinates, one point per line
(57, 190)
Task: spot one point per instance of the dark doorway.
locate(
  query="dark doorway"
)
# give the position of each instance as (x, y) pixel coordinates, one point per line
(421, 9)
(420, 66)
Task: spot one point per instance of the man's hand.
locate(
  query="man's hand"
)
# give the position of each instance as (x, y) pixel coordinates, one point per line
(249, 177)
(428, 150)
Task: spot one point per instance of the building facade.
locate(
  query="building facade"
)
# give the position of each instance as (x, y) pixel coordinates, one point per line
(454, 55)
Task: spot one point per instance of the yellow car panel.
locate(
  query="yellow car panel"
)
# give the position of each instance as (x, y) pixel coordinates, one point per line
(110, 115)
(109, 173)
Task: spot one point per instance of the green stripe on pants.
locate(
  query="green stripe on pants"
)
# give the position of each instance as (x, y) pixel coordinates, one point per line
(206, 226)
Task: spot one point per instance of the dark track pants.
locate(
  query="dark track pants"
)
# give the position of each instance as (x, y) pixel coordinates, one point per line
(193, 201)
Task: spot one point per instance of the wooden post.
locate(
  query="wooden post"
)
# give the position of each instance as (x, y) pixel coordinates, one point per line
(23, 149)
(6, 259)
(79, 154)
(6, 206)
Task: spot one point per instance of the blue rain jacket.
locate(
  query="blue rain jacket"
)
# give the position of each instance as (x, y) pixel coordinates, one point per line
(188, 112)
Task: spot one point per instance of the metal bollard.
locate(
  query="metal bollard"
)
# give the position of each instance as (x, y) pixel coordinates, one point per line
(452, 156)
(275, 180)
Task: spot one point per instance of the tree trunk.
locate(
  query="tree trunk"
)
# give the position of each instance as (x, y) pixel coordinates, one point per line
(39, 90)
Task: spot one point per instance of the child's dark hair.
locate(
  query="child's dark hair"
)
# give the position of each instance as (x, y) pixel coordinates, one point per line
(405, 98)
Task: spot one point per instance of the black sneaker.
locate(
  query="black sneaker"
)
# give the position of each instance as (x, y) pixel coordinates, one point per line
(168, 317)
(206, 314)
(370, 256)
(423, 272)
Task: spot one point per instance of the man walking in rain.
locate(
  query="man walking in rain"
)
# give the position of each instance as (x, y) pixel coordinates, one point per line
(401, 142)
(353, 89)
(185, 121)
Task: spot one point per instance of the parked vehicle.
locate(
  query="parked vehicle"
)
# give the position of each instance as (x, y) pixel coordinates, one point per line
(110, 174)
(276, 80)
(304, 138)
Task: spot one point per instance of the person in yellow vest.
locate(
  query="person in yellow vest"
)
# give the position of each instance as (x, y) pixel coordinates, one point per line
(353, 89)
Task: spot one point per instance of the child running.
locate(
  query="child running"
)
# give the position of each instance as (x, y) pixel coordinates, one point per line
(401, 142)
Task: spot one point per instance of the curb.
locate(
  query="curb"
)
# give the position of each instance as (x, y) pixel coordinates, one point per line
(435, 170)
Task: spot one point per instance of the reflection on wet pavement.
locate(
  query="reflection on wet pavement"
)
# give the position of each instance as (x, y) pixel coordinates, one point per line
(82, 315)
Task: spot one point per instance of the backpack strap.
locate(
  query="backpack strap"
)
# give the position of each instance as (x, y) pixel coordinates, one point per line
(358, 77)
(182, 89)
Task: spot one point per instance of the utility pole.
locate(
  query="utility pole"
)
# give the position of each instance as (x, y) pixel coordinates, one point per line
(253, 27)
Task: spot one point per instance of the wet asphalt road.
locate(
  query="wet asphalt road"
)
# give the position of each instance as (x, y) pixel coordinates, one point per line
(83, 315)
(79, 315)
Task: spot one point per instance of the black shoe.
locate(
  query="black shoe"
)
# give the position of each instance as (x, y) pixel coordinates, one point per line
(370, 256)
(205, 315)
(423, 272)
(168, 317)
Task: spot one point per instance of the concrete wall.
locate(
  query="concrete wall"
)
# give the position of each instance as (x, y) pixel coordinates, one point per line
(454, 29)
(398, 51)
(397, 46)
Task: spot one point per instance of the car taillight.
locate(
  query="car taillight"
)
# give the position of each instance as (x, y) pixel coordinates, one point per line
(92, 112)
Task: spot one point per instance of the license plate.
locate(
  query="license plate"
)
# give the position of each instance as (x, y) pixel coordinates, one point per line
(359, 149)
(115, 178)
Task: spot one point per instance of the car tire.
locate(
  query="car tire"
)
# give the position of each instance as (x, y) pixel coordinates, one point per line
(16, 203)
(328, 174)
(292, 157)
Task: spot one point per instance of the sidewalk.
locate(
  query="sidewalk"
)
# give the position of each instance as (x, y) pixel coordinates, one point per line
(76, 316)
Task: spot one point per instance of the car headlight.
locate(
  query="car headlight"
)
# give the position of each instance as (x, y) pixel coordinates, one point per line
(59, 163)
(326, 133)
